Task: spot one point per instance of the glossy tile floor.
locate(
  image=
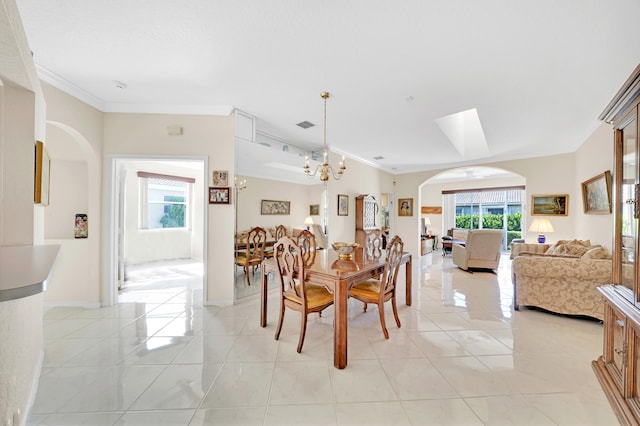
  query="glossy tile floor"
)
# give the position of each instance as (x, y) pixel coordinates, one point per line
(462, 357)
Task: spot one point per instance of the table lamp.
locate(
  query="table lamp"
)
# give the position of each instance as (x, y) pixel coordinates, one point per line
(541, 226)
(308, 221)
(425, 221)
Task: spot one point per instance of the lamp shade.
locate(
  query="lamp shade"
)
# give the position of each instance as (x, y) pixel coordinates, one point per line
(426, 221)
(541, 225)
(308, 221)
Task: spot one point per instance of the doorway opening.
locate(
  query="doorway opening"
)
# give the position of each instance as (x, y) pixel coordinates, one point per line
(157, 228)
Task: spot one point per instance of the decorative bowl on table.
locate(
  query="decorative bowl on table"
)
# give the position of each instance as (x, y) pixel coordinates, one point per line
(345, 250)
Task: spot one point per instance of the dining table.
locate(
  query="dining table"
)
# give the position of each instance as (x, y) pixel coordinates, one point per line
(337, 275)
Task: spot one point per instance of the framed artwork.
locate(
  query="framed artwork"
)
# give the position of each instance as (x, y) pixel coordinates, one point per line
(220, 178)
(219, 195)
(550, 205)
(343, 205)
(405, 206)
(314, 209)
(41, 181)
(81, 229)
(596, 194)
(431, 210)
(268, 207)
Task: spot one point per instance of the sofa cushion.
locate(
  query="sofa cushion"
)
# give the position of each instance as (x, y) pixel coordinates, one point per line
(596, 252)
(570, 249)
(558, 247)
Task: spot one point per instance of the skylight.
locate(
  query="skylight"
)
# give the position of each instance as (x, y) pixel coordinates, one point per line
(464, 130)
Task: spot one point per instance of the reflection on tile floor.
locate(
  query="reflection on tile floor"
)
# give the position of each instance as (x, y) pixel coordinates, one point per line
(461, 357)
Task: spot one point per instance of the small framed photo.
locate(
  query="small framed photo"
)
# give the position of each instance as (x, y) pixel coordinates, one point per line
(219, 195)
(596, 194)
(314, 209)
(550, 205)
(405, 206)
(220, 178)
(81, 228)
(343, 205)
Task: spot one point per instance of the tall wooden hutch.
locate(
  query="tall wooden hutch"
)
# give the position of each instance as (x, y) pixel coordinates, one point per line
(618, 368)
(366, 209)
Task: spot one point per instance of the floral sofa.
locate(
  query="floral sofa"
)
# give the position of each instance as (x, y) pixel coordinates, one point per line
(562, 277)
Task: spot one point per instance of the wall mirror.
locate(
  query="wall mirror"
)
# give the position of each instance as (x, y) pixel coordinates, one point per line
(272, 170)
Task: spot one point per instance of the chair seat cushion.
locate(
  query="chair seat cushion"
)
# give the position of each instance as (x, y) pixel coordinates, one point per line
(316, 296)
(369, 289)
(243, 260)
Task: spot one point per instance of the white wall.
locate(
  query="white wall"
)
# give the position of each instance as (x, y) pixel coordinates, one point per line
(146, 245)
(211, 136)
(21, 123)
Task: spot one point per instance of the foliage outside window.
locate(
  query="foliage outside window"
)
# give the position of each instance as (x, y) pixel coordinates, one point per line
(490, 209)
(164, 201)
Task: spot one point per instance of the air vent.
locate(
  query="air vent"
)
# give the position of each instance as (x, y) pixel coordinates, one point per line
(305, 124)
(379, 157)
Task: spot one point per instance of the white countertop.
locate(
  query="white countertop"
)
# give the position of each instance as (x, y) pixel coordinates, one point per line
(25, 269)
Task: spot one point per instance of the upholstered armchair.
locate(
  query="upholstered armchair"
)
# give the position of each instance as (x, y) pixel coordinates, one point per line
(481, 250)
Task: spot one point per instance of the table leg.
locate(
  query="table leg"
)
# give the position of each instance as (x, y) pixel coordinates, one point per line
(340, 302)
(263, 297)
(408, 279)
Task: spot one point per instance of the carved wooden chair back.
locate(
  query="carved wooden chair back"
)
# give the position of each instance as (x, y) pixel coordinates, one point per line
(307, 243)
(373, 243)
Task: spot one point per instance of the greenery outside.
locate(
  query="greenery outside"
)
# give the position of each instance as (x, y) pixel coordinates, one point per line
(493, 221)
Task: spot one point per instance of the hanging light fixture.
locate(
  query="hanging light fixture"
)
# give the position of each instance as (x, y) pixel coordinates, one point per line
(325, 169)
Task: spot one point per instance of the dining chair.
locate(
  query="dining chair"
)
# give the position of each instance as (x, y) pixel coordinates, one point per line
(253, 254)
(295, 292)
(307, 243)
(382, 290)
(280, 231)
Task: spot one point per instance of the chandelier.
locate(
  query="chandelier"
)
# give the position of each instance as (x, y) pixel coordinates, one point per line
(325, 169)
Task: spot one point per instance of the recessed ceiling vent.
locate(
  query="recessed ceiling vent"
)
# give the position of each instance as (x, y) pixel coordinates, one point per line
(379, 157)
(305, 124)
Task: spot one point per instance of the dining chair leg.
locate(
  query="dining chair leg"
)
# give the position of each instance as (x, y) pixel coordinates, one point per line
(365, 306)
(246, 274)
(280, 320)
(382, 323)
(303, 331)
(395, 310)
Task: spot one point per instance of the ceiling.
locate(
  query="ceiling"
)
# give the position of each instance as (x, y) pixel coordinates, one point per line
(536, 74)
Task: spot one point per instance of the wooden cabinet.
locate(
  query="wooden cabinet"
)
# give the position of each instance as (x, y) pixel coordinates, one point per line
(366, 210)
(618, 368)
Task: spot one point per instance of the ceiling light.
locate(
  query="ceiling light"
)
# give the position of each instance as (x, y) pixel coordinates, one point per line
(305, 124)
(324, 168)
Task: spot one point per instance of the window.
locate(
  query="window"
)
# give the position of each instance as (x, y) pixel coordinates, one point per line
(164, 201)
(491, 208)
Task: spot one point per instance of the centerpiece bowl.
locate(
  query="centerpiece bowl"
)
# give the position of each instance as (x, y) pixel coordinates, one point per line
(345, 250)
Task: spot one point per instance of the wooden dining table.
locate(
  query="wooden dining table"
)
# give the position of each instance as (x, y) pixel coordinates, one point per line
(337, 276)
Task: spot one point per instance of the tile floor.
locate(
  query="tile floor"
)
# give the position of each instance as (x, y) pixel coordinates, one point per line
(462, 357)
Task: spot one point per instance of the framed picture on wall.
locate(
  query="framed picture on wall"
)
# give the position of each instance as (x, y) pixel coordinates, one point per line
(41, 183)
(405, 206)
(596, 194)
(314, 209)
(550, 205)
(343, 205)
(268, 207)
(219, 195)
(220, 178)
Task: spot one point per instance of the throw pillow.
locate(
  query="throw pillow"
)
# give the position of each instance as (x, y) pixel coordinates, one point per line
(596, 252)
(570, 249)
